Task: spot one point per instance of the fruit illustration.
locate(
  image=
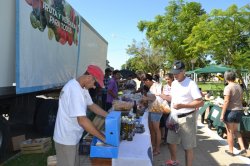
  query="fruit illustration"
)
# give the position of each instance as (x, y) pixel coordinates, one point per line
(35, 4)
(62, 41)
(67, 9)
(40, 18)
(70, 39)
(43, 21)
(57, 37)
(33, 20)
(50, 34)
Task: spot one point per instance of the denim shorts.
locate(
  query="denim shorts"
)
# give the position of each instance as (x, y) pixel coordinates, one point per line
(233, 116)
(155, 116)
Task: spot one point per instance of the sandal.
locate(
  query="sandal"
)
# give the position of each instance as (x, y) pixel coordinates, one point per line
(172, 163)
(229, 153)
(243, 152)
(156, 153)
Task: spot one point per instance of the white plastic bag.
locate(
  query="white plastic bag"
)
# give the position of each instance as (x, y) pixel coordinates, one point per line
(172, 122)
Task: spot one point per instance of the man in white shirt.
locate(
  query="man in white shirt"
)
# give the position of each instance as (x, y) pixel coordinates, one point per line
(186, 97)
(71, 118)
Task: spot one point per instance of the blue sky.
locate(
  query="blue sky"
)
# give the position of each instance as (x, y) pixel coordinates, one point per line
(116, 20)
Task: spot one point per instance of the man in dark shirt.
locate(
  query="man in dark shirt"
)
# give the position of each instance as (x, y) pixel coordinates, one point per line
(107, 77)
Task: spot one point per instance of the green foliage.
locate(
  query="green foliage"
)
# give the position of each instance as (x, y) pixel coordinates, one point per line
(187, 32)
(169, 31)
(224, 35)
(145, 58)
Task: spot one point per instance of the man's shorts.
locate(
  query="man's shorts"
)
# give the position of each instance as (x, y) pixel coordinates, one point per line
(233, 116)
(186, 134)
(67, 155)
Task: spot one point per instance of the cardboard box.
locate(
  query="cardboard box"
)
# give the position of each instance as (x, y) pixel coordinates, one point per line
(112, 134)
(16, 141)
(39, 145)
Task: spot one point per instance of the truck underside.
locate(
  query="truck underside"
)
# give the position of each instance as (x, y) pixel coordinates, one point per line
(32, 115)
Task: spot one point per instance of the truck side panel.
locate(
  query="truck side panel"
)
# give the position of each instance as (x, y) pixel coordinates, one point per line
(47, 45)
(93, 48)
(7, 46)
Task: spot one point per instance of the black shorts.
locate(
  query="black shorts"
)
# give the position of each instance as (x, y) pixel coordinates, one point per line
(233, 116)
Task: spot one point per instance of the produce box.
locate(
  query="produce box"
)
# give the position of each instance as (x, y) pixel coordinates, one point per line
(16, 141)
(112, 133)
(39, 145)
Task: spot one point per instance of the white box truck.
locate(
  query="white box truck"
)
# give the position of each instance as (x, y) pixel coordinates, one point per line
(44, 43)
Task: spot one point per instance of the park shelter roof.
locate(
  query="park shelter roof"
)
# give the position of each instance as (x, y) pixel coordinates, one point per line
(213, 69)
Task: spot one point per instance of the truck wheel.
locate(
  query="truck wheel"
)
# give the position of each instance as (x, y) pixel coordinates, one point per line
(46, 117)
(209, 124)
(4, 137)
(221, 131)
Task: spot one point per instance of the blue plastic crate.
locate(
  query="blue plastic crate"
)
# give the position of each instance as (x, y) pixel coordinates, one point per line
(112, 134)
(103, 151)
(112, 128)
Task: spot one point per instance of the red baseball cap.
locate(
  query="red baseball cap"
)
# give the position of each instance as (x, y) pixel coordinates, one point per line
(96, 72)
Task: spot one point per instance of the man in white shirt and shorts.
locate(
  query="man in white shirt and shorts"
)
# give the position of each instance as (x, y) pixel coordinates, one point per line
(186, 97)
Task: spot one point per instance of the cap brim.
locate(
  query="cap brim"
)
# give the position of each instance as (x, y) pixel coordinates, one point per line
(175, 71)
(100, 82)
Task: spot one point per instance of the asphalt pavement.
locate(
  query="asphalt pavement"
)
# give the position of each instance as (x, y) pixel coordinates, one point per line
(210, 151)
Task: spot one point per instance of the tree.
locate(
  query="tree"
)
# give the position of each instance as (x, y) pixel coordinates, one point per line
(145, 58)
(169, 31)
(223, 35)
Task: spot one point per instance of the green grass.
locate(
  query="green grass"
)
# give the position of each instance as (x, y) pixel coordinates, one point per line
(39, 159)
(218, 88)
(211, 86)
(215, 89)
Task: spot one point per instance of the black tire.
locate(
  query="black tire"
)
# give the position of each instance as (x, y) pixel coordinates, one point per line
(220, 132)
(4, 137)
(209, 124)
(46, 116)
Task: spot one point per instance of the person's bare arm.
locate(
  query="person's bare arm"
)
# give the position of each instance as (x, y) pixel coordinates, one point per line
(165, 97)
(224, 107)
(85, 123)
(97, 110)
(112, 94)
(149, 97)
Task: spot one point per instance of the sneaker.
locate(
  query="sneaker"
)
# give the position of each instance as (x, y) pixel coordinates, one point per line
(172, 163)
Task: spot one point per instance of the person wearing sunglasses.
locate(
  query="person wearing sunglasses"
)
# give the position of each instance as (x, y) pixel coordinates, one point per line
(71, 120)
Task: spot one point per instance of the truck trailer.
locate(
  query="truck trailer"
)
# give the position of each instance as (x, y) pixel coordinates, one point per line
(45, 43)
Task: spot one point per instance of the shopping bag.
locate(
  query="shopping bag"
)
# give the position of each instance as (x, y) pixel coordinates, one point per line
(172, 122)
(160, 106)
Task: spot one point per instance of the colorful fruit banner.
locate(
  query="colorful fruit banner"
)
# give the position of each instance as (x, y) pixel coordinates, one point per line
(47, 44)
(58, 16)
